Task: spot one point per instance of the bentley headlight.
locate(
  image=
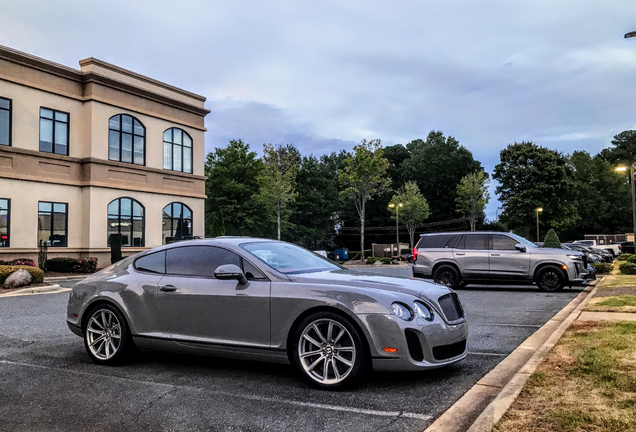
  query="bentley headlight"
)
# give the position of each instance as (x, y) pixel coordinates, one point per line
(423, 311)
(575, 257)
(402, 311)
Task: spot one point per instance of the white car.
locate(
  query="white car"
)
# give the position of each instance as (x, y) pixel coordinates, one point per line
(613, 248)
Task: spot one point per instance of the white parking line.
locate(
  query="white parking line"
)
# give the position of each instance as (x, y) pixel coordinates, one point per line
(505, 325)
(365, 411)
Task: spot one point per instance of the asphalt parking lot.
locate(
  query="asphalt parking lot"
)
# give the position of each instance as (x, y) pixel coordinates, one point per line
(47, 381)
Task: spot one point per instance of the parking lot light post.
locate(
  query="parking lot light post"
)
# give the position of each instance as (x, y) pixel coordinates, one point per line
(397, 226)
(539, 210)
(631, 182)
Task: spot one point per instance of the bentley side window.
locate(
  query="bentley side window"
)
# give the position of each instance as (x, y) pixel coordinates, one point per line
(251, 272)
(198, 260)
(153, 263)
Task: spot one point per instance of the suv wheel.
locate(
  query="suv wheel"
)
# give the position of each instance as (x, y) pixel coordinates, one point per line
(550, 278)
(447, 275)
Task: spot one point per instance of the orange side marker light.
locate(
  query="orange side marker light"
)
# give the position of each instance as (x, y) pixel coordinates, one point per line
(389, 349)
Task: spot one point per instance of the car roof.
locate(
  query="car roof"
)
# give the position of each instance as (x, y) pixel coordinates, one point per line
(214, 241)
(464, 232)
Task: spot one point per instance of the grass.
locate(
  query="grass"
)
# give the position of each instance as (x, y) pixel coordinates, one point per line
(614, 281)
(586, 383)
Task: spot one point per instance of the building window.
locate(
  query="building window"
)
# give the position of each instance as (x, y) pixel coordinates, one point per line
(5, 222)
(177, 222)
(53, 223)
(5, 121)
(126, 217)
(177, 150)
(126, 140)
(54, 131)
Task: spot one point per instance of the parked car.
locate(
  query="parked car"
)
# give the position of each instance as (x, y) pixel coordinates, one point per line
(591, 256)
(611, 248)
(627, 247)
(268, 300)
(457, 258)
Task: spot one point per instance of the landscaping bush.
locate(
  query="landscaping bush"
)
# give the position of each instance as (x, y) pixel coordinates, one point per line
(6, 270)
(72, 265)
(371, 260)
(628, 268)
(624, 256)
(631, 259)
(602, 268)
(19, 261)
(551, 240)
(385, 260)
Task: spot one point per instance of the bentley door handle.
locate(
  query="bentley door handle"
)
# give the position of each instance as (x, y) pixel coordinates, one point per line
(495, 254)
(462, 254)
(168, 288)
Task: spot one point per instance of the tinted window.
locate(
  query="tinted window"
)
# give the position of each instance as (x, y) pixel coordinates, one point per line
(474, 242)
(252, 272)
(502, 242)
(435, 241)
(198, 260)
(288, 258)
(154, 262)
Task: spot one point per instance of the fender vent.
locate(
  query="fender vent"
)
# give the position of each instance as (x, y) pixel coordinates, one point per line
(413, 342)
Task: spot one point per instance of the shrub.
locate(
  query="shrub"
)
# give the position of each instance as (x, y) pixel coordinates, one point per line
(385, 260)
(628, 268)
(371, 260)
(624, 256)
(6, 270)
(72, 265)
(602, 268)
(551, 240)
(19, 261)
(631, 259)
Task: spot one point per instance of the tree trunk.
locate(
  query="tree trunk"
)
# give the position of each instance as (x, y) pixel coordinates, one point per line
(411, 229)
(278, 217)
(362, 232)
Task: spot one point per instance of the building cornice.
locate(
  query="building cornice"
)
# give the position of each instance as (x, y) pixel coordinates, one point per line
(84, 78)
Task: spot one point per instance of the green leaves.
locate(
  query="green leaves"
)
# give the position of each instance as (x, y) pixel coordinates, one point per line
(472, 196)
(552, 240)
(414, 207)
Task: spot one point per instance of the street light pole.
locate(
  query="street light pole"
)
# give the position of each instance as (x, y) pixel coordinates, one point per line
(397, 224)
(631, 182)
(539, 209)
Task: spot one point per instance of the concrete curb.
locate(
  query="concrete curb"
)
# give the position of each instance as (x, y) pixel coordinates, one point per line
(487, 401)
(63, 278)
(36, 290)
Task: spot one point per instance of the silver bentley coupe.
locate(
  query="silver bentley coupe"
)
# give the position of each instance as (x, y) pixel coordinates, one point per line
(267, 300)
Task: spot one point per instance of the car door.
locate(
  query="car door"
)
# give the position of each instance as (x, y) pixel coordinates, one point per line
(471, 254)
(197, 307)
(506, 262)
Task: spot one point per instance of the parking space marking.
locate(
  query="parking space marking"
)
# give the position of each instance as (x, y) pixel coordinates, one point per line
(488, 354)
(505, 325)
(378, 413)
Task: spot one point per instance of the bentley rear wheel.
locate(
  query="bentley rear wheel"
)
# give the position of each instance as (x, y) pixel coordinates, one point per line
(329, 351)
(106, 335)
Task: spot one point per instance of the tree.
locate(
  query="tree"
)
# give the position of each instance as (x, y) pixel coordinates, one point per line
(531, 176)
(437, 165)
(472, 196)
(231, 182)
(623, 150)
(218, 224)
(414, 208)
(552, 240)
(364, 176)
(277, 181)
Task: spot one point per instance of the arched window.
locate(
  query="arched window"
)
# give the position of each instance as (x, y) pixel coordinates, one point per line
(177, 150)
(126, 217)
(177, 222)
(126, 140)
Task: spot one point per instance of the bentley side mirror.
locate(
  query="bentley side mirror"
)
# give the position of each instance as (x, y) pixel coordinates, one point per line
(229, 272)
(520, 247)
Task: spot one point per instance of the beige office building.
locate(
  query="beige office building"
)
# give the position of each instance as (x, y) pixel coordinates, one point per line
(90, 152)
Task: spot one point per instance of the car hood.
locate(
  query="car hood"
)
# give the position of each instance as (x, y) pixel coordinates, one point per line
(555, 251)
(369, 280)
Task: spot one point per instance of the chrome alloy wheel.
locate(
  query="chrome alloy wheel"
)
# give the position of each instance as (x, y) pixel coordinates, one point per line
(327, 351)
(103, 334)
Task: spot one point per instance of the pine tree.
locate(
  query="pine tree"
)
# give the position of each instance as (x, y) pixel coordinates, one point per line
(551, 240)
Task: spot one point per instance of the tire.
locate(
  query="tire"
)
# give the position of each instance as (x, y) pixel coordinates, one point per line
(342, 354)
(550, 278)
(116, 344)
(447, 275)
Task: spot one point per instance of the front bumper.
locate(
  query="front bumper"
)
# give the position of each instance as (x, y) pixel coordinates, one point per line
(441, 343)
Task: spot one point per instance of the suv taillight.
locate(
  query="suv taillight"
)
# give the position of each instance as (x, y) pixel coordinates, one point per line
(415, 254)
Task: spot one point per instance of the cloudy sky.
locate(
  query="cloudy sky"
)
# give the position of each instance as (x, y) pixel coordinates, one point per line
(325, 74)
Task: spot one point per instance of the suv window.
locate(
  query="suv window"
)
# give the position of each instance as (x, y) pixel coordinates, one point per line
(154, 262)
(198, 260)
(473, 242)
(434, 241)
(502, 242)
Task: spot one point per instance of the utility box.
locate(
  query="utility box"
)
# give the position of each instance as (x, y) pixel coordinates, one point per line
(342, 253)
